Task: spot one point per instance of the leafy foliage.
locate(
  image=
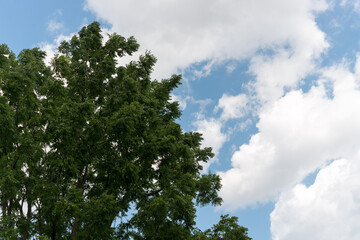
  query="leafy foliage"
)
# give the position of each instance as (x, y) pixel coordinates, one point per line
(227, 229)
(86, 142)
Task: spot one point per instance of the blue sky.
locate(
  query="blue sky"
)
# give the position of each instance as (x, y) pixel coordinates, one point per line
(272, 85)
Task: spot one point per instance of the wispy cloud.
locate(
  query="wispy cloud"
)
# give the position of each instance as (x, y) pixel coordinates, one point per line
(54, 26)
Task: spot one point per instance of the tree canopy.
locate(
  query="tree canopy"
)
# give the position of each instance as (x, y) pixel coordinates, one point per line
(91, 150)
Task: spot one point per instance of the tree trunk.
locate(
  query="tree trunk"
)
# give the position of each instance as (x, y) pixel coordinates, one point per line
(53, 230)
(74, 229)
(80, 185)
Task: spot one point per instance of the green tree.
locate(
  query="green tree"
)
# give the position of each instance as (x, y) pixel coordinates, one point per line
(227, 229)
(91, 150)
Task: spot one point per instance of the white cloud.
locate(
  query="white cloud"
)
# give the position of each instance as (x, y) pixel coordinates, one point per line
(232, 106)
(328, 209)
(286, 68)
(241, 126)
(212, 135)
(181, 33)
(230, 68)
(54, 26)
(298, 134)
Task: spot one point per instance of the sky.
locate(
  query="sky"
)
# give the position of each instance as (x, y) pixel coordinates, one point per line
(273, 86)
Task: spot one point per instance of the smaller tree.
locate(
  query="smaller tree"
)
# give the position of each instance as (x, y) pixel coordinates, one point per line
(227, 229)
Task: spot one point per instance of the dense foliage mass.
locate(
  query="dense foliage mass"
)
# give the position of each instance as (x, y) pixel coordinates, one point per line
(91, 150)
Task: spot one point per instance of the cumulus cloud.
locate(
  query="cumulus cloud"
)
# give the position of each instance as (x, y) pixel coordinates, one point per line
(298, 134)
(328, 209)
(181, 33)
(286, 67)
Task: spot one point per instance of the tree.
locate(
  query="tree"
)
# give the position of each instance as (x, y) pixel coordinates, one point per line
(91, 150)
(227, 229)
